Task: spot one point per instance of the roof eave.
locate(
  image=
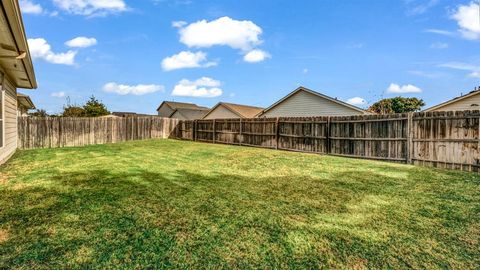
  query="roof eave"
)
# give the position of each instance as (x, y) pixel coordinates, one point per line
(14, 17)
(26, 101)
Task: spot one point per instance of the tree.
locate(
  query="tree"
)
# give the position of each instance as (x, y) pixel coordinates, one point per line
(397, 105)
(94, 108)
(39, 113)
(73, 111)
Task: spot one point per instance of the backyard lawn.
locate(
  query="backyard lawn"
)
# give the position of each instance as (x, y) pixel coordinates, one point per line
(166, 203)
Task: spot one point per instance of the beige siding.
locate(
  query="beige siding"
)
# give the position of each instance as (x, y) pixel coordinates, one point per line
(304, 103)
(221, 112)
(178, 115)
(165, 111)
(462, 105)
(10, 119)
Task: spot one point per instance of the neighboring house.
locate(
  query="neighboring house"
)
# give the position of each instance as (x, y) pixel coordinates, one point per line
(123, 114)
(167, 108)
(24, 103)
(305, 102)
(470, 101)
(189, 114)
(16, 71)
(225, 110)
(128, 114)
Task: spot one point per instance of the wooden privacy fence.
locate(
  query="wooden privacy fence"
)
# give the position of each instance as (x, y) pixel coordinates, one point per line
(46, 132)
(439, 139)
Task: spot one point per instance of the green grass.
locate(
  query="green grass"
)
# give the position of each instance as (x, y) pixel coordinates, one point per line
(165, 203)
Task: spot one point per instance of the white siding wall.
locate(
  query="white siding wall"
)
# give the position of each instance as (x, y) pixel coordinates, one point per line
(221, 113)
(165, 111)
(10, 119)
(462, 105)
(306, 104)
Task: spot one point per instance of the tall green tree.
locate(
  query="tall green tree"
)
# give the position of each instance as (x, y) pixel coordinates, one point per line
(397, 105)
(39, 113)
(94, 108)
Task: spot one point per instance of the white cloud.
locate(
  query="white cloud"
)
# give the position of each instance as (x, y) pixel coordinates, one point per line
(356, 101)
(91, 7)
(138, 90)
(439, 45)
(440, 32)
(420, 7)
(40, 49)
(243, 35)
(407, 88)
(474, 70)
(468, 19)
(186, 59)
(305, 70)
(29, 7)
(179, 24)
(431, 75)
(256, 55)
(203, 87)
(460, 66)
(81, 42)
(475, 74)
(58, 94)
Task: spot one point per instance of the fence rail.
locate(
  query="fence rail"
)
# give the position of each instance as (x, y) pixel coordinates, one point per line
(438, 139)
(46, 132)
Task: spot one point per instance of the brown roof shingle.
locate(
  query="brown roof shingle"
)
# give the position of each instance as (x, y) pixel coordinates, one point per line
(242, 110)
(192, 114)
(181, 105)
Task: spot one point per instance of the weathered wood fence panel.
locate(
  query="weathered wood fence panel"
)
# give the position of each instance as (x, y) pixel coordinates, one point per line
(447, 140)
(382, 137)
(303, 134)
(438, 139)
(40, 132)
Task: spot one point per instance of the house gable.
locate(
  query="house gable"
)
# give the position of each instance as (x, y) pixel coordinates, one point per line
(221, 112)
(164, 110)
(469, 101)
(303, 103)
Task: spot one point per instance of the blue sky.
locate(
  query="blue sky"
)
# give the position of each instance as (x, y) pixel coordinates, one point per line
(134, 54)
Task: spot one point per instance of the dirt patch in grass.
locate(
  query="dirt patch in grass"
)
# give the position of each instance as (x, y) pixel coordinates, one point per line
(3, 178)
(4, 235)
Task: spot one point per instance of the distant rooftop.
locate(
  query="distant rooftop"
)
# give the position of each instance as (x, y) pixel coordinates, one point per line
(181, 105)
(244, 110)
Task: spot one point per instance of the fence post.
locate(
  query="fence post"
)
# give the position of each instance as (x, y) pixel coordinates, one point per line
(213, 139)
(194, 130)
(327, 136)
(409, 138)
(277, 130)
(240, 139)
